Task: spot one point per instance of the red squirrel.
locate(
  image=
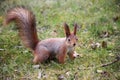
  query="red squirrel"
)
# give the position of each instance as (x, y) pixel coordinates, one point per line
(44, 49)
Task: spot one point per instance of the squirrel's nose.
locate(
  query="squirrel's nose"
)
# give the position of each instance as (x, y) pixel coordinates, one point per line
(74, 44)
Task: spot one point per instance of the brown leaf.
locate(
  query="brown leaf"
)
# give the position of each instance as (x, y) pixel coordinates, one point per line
(95, 45)
(61, 77)
(104, 44)
(104, 34)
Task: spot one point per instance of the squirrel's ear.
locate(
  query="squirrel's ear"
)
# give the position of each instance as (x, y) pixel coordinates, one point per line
(75, 28)
(67, 30)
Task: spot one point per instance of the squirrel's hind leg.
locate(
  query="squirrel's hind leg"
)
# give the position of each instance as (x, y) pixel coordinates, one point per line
(41, 55)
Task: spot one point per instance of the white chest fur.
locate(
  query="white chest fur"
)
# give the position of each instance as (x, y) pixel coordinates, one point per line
(70, 49)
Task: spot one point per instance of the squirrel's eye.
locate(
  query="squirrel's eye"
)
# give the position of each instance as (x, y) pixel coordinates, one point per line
(68, 39)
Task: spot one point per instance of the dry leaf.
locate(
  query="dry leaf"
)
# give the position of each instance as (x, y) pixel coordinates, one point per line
(95, 45)
(68, 73)
(36, 66)
(104, 34)
(39, 75)
(98, 45)
(104, 44)
(100, 71)
(61, 77)
(111, 54)
(2, 49)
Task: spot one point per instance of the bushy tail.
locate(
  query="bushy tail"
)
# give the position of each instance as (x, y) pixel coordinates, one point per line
(26, 23)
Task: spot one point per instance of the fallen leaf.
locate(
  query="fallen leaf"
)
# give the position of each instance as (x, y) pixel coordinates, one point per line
(76, 76)
(104, 34)
(39, 75)
(111, 54)
(36, 66)
(116, 18)
(98, 45)
(95, 45)
(68, 73)
(100, 71)
(2, 49)
(104, 44)
(61, 77)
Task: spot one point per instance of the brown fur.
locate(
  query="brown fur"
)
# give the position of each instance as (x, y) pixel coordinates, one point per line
(26, 23)
(45, 49)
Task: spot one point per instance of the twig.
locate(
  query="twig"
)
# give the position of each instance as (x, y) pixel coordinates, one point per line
(107, 64)
(102, 65)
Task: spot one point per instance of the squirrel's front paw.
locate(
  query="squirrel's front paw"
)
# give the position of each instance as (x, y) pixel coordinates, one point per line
(76, 54)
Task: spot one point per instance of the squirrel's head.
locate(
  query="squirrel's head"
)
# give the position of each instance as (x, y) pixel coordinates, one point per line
(71, 37)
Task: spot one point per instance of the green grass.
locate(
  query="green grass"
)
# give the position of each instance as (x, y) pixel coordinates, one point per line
(93, 16)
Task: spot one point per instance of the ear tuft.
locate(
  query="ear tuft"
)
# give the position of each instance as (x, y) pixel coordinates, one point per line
(67, 30)
(75, 28)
